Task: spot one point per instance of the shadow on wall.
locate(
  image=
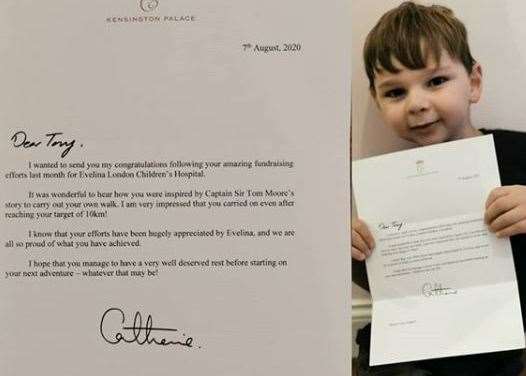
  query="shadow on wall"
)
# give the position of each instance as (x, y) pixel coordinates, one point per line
(376, 138)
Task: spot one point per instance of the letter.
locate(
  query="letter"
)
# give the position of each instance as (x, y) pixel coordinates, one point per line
(149, 116)
(431, 261)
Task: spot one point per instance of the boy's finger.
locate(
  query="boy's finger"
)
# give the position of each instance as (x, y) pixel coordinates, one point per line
(507, 219)
(495, 194)
(363, 230)
(497, 208)
(517, 228)
(357, 255)
(359, 243)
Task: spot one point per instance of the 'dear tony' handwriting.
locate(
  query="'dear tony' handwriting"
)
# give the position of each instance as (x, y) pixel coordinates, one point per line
(393, 225)
(53, 140)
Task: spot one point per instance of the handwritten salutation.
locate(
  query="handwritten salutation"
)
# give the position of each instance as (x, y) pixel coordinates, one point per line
(54, 140)
(393, 225)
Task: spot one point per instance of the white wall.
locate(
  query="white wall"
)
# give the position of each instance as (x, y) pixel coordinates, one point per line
(497, 36)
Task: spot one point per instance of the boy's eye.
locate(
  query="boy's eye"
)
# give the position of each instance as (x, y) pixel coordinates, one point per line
(437, 81)
(394, 93)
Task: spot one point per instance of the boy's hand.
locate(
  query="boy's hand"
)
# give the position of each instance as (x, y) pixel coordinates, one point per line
(362, 240)
(506, 210)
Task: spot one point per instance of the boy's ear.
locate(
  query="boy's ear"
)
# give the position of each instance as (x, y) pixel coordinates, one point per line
(475, 79)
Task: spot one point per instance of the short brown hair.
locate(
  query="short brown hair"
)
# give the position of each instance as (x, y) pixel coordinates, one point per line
(409, 33)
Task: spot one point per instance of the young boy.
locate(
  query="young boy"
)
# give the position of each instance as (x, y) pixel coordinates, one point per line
(424, 80)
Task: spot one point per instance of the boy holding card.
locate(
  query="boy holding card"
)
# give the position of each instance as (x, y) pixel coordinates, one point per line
(424, 80)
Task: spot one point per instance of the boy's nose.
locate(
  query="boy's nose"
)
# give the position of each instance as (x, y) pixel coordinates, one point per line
(417, 102)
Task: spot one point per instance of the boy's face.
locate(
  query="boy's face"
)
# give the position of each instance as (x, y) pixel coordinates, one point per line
(430, 105)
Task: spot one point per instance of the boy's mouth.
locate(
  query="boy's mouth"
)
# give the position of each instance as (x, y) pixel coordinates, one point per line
(423, 126)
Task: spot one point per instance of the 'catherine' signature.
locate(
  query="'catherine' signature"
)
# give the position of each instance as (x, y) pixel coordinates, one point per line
(137, 329)
(436, 289)
(20, 139)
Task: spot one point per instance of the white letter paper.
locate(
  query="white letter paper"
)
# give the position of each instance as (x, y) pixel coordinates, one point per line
(174, 187)
(442, 284)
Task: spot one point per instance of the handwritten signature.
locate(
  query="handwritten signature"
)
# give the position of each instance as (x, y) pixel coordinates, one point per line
(137, 329)
(20, 139)
(436, 289)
